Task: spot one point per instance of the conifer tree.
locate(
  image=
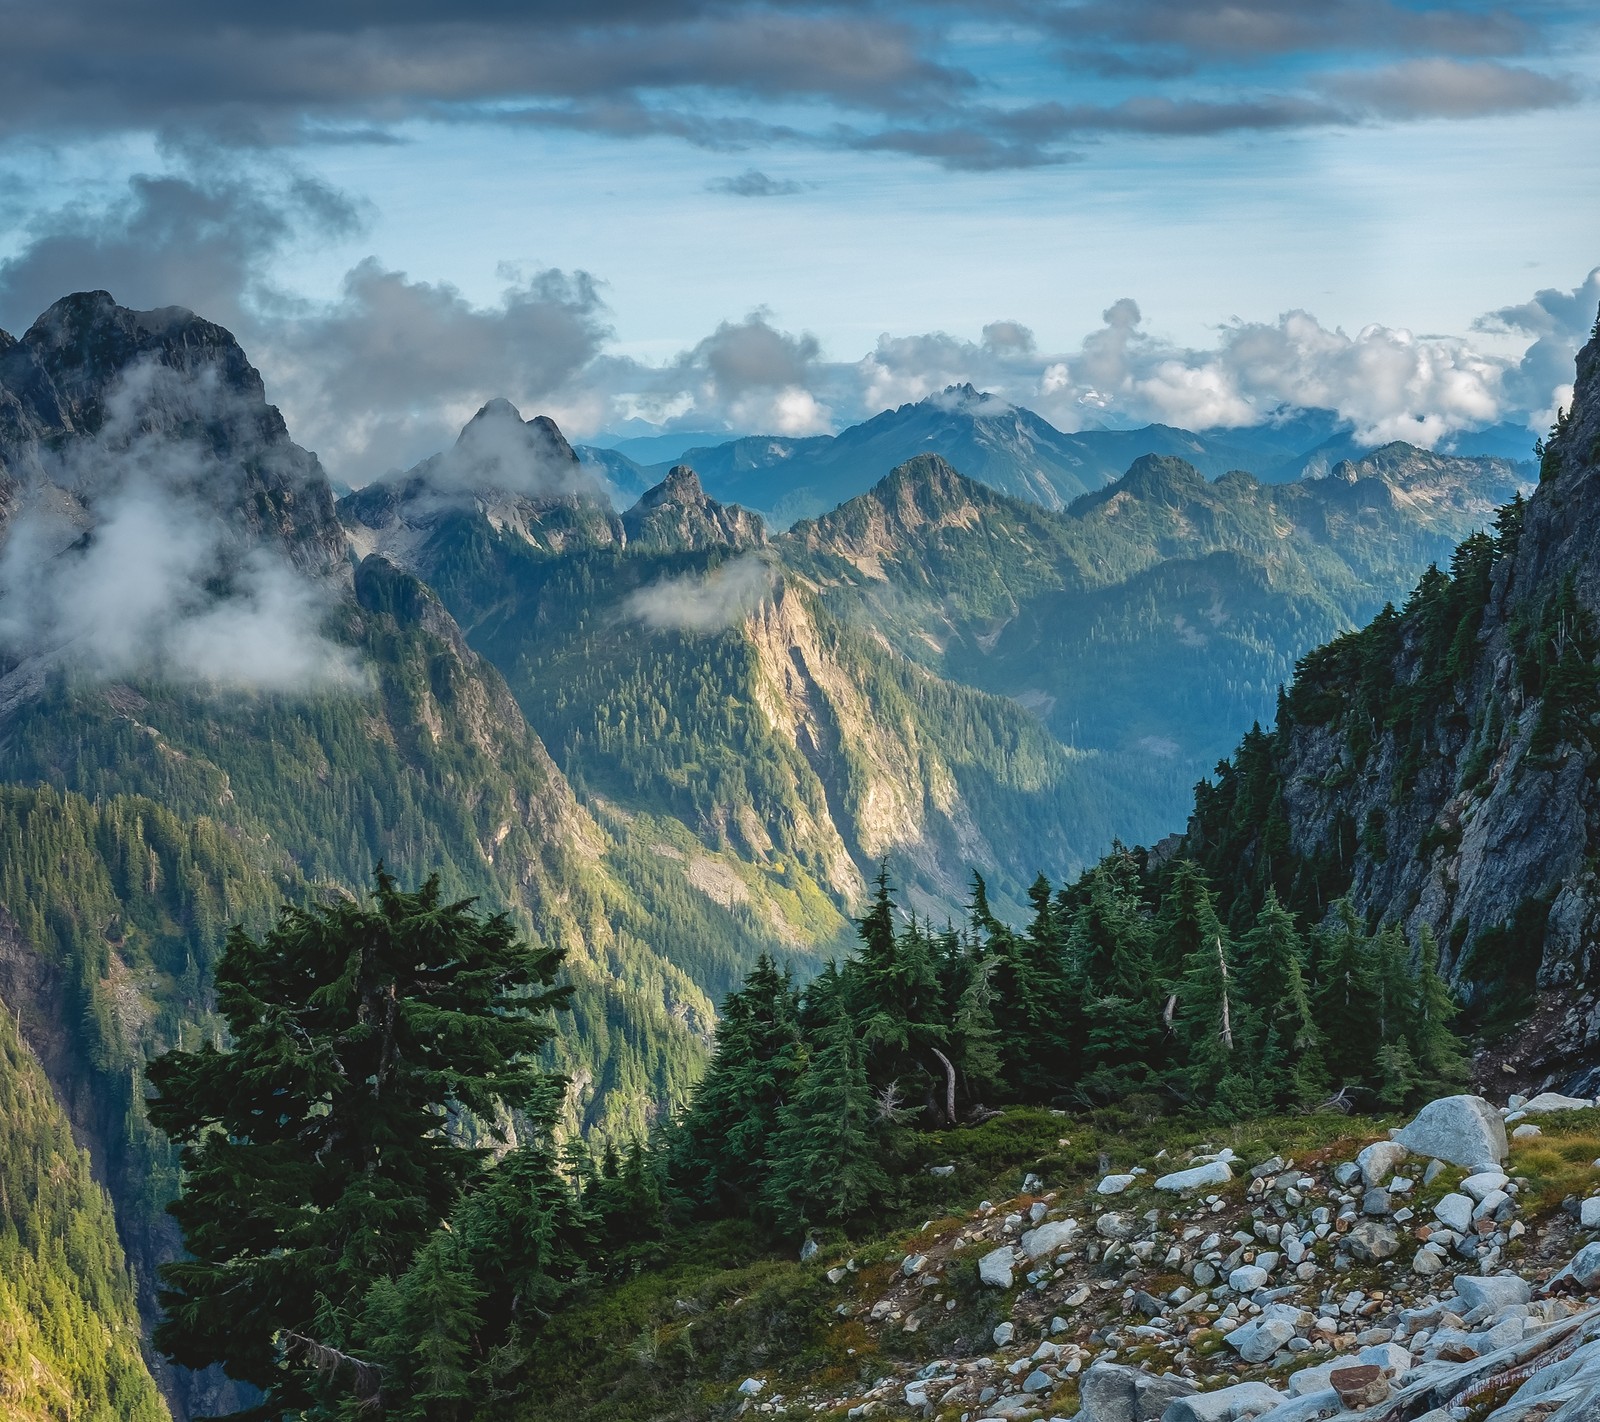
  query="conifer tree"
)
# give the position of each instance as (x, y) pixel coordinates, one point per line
(315, 1153)
(1208, 997)
(1440, 1060)
(1347, 999)
(1110, 947)
(720, 1153)
(892, 992)
(827, 1161)
(1284, 1051)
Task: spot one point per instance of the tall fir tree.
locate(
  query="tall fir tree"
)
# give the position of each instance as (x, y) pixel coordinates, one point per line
(828, 1159)
(1347, 999)
(316, 1153)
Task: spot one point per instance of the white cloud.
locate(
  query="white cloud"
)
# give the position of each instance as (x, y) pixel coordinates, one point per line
(705, 602)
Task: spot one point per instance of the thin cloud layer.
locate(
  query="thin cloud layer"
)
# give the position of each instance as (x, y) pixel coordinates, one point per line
(896, 78)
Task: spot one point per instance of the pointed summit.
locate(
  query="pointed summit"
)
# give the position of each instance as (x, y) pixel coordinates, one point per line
(676, 515)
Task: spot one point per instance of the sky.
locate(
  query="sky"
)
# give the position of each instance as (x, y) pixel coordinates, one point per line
(783, 218)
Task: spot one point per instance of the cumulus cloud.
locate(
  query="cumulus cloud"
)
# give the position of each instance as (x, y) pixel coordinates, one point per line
(393, 368)
(704, 602)
(127, 555)
(196, 237)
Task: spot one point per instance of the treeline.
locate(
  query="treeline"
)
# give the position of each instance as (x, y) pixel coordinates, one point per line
(1124, 987)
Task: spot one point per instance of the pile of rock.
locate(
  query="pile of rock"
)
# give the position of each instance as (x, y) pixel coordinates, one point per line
(1309, 1292)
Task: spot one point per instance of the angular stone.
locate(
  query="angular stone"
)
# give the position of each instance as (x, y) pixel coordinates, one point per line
(1313, 1379)
(1428, 1260)
(1464, 1130)
(1038, 1381)
(1379, 1161)
(1110, 1392)
(1391, 1357)
(1247, 1278)
(1226, 1404)
(1257, 1341)
(1114, 1226)
(1589, 1213)
(1555, 1101)
(1048, 1238)
(1114, 1184)
(1215, 1172)
(1372, 1240)
(1455, 1212)
(1359, 1386)
(1582, 1272)
(1003, 1334)
(1376, 1202)
(1494, 1293)
(1482, 1183)
(995, 1268)
(1489, 1204)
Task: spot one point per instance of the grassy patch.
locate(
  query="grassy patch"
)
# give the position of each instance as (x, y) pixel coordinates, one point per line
(1559, 1162)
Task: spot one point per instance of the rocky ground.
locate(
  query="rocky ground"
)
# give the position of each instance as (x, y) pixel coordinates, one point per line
(1449, 1268)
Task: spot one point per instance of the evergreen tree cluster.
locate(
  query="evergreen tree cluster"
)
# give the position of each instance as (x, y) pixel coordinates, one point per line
(1125, 985)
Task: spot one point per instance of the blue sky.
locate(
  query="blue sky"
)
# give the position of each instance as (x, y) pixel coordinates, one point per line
(785, 217)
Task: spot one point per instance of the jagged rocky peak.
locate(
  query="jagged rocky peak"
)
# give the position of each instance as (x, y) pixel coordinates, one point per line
(96, 397)
(678, 515)
(521, 476)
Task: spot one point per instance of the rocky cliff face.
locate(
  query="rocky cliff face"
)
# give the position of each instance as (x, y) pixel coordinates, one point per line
(1441, 765)
(95, 395)
(676, 515)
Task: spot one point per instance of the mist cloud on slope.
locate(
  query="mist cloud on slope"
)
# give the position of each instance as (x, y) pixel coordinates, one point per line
(704, 602)
(123, 557)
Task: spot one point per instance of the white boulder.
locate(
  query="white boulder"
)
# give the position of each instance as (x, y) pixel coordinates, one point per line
(1464, 1130)
(1215, 1172)
(995, 1268)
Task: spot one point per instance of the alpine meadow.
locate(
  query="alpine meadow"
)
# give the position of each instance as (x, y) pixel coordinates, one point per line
(800, 709)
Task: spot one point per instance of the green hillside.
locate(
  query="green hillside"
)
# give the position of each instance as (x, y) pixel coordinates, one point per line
(69, 1329)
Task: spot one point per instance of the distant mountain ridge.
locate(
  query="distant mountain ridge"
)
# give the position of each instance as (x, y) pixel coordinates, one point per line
(1005, 446)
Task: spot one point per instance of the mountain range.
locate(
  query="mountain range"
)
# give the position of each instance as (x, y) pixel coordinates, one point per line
(667, 739)
(1004, 446)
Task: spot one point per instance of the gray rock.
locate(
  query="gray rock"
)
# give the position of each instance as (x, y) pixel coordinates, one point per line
(1038, 1381)
(1226, 1404)
(1004, 1333)
(1481, 1184)
(1313, 1379)
(1379, 1161)
(1489, 1204)
(995, 1268)
(750, 1387)
(1215, 1172)
(1247, 1278)
(1581, 1272)
(808, 1249)
(1455, 1212)
(1258, 1340)
(1589, 1213)
(1110, 1392)
(1429, 1260)
(1114, 1184)
(1555, 1101)
(1494, 1293)
(1376, 1202)
(1372, 1240)
(1526, 1133)
(1391, 1357)
(1048, 1238)
(1112, 1225)
(1463, 1130)
(1346, 1174)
